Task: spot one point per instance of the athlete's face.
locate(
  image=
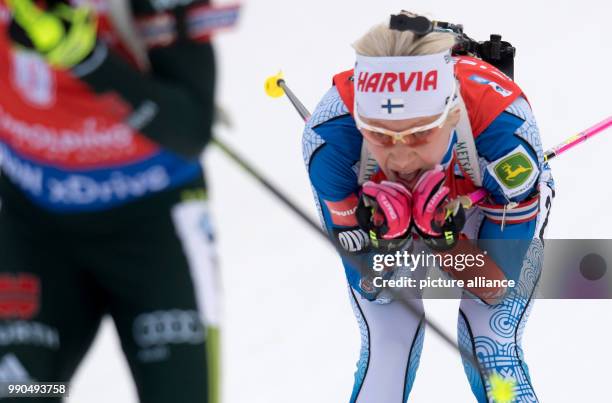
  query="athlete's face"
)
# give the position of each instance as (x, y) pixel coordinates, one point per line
(404, 160)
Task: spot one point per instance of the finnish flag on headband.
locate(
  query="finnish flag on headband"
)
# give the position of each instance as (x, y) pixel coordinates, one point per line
(403, 87)
(392, 105)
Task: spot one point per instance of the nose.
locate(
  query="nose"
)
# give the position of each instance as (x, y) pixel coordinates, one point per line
(401, 158)
(400, 164)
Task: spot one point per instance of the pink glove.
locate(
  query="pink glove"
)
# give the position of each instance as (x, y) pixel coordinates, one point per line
(441, 230)
(430, 195)
(385, 209)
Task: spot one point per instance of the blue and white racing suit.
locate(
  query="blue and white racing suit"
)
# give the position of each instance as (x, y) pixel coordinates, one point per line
(392, 336)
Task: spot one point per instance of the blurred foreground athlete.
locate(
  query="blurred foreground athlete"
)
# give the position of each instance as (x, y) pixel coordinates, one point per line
(104, 206)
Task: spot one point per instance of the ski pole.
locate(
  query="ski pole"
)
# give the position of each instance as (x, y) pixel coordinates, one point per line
(233, 155)
(479, 195)
(578, 138)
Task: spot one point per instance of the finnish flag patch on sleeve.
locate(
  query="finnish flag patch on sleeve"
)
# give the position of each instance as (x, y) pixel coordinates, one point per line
(515, 172)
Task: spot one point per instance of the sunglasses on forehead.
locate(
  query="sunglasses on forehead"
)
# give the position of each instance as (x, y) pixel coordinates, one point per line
(392, 137)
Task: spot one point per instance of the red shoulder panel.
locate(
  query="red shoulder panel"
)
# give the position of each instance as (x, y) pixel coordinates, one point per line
(486, 91)
(344, 83)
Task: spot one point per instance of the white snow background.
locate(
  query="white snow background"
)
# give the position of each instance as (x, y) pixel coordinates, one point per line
(289, 334)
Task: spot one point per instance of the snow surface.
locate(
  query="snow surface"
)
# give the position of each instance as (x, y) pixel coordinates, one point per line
(289, 334)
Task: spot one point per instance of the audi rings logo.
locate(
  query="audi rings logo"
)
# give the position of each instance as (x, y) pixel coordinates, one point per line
(168, 327)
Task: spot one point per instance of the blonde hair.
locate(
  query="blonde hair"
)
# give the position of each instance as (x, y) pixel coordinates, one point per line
(381, 40)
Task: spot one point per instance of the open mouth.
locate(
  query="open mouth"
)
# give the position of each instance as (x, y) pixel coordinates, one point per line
(407, 179)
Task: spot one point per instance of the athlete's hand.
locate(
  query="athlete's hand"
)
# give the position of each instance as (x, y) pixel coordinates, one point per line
(439, 227)
(65, 36)
(384, 212)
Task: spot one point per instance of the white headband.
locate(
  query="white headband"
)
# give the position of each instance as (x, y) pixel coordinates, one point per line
(403, 87)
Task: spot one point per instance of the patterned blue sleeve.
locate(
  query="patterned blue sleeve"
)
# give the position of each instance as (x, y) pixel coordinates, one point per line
(332, 149)
(333, 175)
(512, 163)
(332, 167)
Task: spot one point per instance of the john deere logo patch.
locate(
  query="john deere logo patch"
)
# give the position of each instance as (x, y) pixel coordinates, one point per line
(514, 170)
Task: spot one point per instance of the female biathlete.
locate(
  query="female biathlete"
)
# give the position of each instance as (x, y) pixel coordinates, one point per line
(409, 130)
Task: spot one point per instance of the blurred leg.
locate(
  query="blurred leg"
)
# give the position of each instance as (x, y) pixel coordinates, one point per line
(49, 311)
(161, 276)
